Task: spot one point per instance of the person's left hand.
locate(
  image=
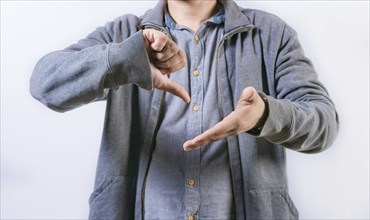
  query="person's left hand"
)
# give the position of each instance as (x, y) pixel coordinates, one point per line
(247, 115)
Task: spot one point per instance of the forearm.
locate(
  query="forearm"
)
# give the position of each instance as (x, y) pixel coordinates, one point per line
(302, 126)
(67, 79)
(302, 116)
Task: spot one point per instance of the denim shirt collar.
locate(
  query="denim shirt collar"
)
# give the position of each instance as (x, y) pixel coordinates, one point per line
(233, 16)
(218, 18)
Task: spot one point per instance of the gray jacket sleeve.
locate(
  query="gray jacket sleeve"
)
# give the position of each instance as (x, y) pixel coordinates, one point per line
(301, 117)
(86, 71)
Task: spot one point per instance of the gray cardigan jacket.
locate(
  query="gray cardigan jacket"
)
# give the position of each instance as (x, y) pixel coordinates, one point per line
(257, 49)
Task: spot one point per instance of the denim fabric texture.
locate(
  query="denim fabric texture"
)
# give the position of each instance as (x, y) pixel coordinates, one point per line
(168, 193)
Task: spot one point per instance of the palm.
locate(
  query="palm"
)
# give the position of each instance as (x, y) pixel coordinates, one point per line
(247, 113)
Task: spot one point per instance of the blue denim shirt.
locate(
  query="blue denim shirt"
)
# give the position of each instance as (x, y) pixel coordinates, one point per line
(196, 183)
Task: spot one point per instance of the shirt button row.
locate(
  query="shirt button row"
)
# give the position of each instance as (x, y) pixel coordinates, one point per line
(196, 38)
(196, 72)
(196, 108)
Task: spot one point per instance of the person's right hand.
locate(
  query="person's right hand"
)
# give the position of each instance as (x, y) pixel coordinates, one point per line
(165, 58)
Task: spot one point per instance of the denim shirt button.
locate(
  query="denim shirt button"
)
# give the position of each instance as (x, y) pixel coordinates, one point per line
(196, 108)
(191, 182)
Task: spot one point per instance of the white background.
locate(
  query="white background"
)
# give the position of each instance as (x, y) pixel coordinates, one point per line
(48, 159)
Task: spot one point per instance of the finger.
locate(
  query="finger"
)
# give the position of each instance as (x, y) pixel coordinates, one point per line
(248, 94)
(160, 41)
(223, 129)
(148, 38)
(168, 51)
(170, 67)
(173, 61)
(177, 90)
(199, 141)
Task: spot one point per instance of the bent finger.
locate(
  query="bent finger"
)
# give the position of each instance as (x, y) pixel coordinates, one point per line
(178, 62)
(168, 51)
(172, 61)
(160, 41)
(167, 68)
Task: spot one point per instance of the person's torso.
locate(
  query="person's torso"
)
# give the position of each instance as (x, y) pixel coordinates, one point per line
(197, 183)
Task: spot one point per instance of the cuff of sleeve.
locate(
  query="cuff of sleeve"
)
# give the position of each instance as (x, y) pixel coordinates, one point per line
(257, 130)
(128, 62)
(278, 122)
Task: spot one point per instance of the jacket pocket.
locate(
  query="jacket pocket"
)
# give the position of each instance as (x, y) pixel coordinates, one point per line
(272, 204)
(114, 198)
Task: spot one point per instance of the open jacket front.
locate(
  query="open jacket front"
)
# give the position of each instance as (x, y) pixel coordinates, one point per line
(257, 49)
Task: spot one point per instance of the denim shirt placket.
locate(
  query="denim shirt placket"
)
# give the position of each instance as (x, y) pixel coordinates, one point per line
(193, 158)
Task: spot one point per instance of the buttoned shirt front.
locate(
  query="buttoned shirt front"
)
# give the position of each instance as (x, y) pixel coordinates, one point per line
(195, 184)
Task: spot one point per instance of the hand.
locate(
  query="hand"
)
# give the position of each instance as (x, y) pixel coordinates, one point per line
(162, 82)
(165, 57)
(247, 114)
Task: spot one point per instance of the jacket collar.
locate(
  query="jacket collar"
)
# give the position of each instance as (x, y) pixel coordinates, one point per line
(234, 18)
(156, 15)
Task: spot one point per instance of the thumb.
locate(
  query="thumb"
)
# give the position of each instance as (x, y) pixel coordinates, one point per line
(248, 94)
(177, 90)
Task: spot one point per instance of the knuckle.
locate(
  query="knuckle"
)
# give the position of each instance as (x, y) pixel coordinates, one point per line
(182, 62)
(156, 47)
(163, 38)
(165, 65)
(176, 67)
(164, 71)
(159, 56)
(175, 49)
